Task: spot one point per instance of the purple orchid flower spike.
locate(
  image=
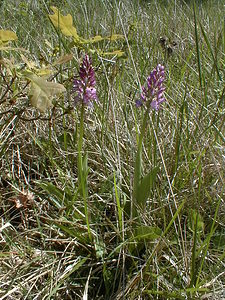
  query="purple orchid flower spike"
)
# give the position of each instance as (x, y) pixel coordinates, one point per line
(84, 86)
(154, 91)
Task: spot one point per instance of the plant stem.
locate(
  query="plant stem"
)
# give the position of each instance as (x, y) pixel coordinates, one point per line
(138, 162)
(82, 180)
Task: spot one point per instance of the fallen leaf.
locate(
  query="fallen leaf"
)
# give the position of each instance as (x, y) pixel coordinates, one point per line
(63, 59)
(6, 36)
(42, 91)
(24, 199)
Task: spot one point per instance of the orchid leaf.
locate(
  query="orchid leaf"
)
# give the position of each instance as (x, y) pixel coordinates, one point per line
(145, 186)
(142, 235)
(149, 233)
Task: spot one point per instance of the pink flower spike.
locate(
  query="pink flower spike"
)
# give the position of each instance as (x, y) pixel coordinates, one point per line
(84, 86)
(154, 93)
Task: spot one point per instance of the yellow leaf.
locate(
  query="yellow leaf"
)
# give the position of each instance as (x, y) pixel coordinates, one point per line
(115, 37)
(99, 38)
(63, 59)
(118, 53)
(95, 39)
(30, 64)
(43, 91)
(65, 23)
(44, 72)
(7, 35)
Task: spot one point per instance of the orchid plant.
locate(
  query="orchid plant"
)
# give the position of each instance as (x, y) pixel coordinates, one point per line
(85, 94)
(152, 96)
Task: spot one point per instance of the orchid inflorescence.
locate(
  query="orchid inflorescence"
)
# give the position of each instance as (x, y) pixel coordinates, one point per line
(84, 86)
(154, 91)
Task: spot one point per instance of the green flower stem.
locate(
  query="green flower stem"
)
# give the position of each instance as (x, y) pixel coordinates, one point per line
(82, 174)
(138, 162)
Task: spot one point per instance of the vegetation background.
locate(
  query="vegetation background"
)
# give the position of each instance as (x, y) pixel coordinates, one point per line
(174, 248)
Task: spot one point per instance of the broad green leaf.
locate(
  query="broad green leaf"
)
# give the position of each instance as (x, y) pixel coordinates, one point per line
(145, 186)
(43, 91)
(149, 233)
(65, 23)
(72, 231)
(6, 36)
(195, 221)
(143, 234)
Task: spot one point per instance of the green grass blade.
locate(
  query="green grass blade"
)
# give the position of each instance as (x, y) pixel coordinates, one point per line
(208, 242)
(211, 51)
(76, 266)
(119, 209)
(197, 46)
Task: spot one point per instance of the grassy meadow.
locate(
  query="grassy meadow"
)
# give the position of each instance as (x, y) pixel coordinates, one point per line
(112, 201)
